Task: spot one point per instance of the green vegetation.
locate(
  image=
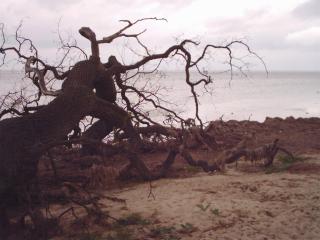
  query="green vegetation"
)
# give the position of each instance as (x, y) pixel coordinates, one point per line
(121, 230)
(285, 162)
(127, 228)
(187, 228)
(215, 211)
(164, 233)
(133, 219)
(192, 169)
(121, 234)
(203, 207)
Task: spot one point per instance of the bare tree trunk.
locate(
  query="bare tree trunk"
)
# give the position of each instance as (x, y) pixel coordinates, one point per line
(106, 90)
(98, 131)
(23, 139)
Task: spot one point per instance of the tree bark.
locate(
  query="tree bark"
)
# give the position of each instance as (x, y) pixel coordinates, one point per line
(23, 139)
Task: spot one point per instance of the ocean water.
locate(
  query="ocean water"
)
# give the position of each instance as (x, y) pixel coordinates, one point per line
(256, 96)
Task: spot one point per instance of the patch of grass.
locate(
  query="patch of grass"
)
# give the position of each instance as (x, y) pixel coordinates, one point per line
(192, 169)
(122, 230)
(187, 228)
(164, 233)
(286, 161)
(203, 207)
(133, 219)
(121, 234)
(215, 211)
(272, 169)
(162, 230)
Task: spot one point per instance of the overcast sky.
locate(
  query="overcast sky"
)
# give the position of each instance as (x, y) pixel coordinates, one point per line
(286, 33)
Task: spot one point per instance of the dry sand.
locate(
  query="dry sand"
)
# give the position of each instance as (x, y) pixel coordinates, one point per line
(243, 203)
(235, 205)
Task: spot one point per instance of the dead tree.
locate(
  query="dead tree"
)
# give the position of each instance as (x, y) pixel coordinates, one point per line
(25, 138)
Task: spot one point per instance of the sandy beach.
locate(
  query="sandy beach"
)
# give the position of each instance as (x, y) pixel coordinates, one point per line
(246, 201)
(234, 205)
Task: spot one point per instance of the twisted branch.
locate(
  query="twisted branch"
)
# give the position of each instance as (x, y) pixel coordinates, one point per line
(40, 77)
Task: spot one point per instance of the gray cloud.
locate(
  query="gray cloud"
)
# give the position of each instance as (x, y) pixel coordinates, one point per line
(277, 35)
(258, 27)
(309, 9)
(58, 4)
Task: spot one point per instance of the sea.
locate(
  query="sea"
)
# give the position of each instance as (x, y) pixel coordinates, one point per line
(250, 96)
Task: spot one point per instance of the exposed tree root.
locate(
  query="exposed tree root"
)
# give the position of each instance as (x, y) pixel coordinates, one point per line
(266, 152)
